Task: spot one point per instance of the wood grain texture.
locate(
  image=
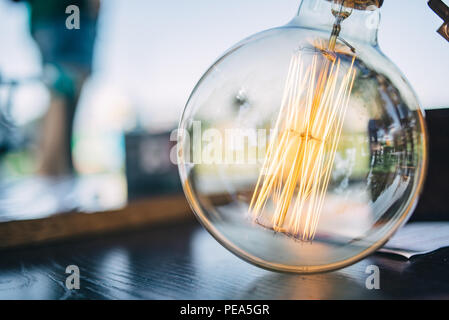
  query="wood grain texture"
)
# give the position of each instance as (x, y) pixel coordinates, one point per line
(182, 261)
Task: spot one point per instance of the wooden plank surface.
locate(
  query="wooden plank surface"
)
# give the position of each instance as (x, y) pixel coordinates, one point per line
(74, 224)
(182, 261)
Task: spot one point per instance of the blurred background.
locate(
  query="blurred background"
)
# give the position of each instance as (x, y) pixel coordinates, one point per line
(87, 113)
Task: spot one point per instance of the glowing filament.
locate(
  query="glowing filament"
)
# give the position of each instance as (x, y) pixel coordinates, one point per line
(299, 160)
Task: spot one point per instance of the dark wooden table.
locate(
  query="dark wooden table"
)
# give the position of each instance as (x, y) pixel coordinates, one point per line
(183, 261)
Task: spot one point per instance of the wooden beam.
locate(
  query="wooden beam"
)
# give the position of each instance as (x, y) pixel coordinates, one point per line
(72, 224)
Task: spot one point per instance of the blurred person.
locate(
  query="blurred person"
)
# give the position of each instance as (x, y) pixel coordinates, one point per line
(67, 62)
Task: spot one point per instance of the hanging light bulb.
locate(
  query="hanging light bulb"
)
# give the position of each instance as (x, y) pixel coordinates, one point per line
(303, 148)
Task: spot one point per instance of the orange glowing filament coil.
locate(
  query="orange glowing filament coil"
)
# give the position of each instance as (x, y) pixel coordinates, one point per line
(291, 188)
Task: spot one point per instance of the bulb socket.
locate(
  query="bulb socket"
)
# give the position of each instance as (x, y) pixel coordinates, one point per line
(444, 31)
(442, 10)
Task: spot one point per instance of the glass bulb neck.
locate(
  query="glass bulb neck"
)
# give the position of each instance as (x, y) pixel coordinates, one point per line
(358, 20)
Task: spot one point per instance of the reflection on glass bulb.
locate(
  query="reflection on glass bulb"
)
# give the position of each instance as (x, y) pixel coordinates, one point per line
(298, 157)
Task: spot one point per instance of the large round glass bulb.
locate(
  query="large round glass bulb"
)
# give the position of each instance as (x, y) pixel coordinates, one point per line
(299, 158)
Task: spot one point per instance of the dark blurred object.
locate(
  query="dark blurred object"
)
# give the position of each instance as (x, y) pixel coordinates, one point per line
(149, 170)
(434, 202)
(68, 49)
(10, 136)
(442, 11)
(67, 56)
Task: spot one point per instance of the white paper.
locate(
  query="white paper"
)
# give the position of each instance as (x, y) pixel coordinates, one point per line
(418, 238)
